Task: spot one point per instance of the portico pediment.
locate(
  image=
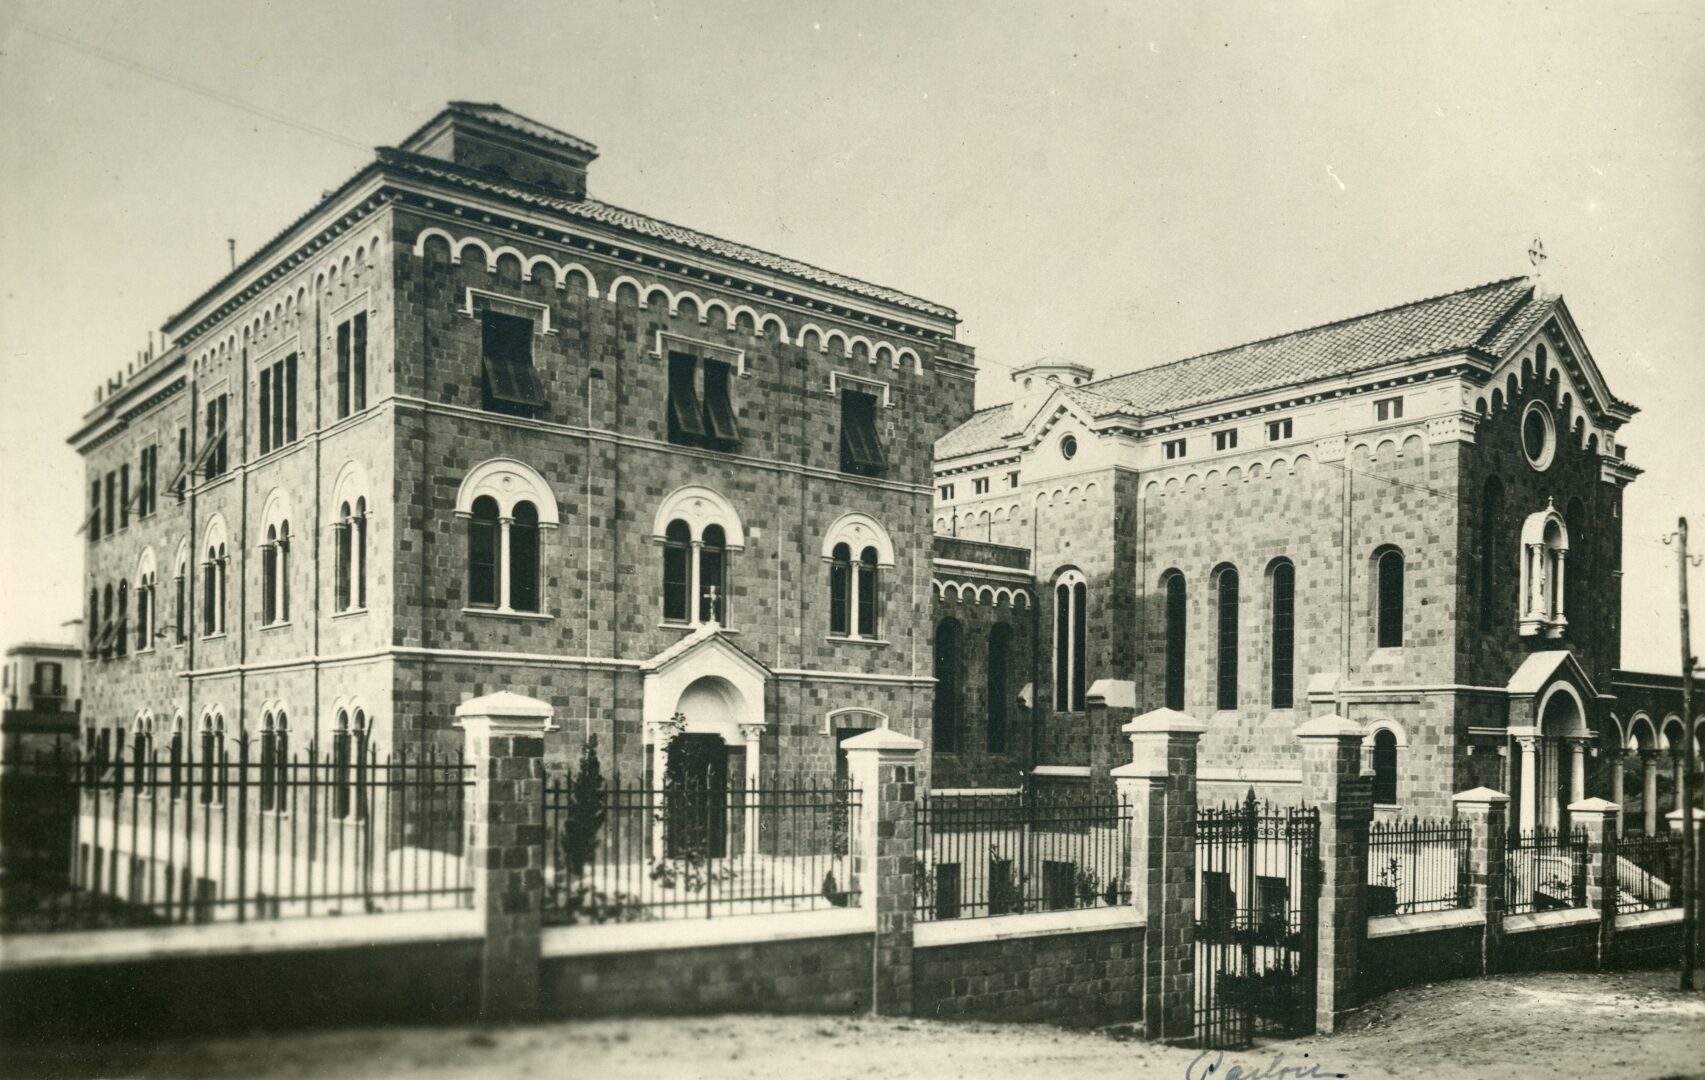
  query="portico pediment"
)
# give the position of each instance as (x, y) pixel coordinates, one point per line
(706, 683)
(1550, 689)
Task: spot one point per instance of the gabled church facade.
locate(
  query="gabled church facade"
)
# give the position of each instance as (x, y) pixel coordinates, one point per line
(1411, 518)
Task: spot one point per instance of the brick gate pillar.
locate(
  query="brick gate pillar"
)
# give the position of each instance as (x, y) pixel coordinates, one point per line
(504, 736)
(1332, 780)
(1598, 819)
(1487, 813)
(1159, 785)
(883, 767)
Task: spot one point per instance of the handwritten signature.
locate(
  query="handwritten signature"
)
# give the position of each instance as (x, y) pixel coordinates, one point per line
(1211, 1065)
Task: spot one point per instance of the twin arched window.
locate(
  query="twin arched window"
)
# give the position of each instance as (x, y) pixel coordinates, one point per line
(853, 592)
(275, 761)
(1071, 600)
(351, 543)
(349, 765)
(212, 759)
(506, 504)
(695, 574)
(275, 574)
(213, 577)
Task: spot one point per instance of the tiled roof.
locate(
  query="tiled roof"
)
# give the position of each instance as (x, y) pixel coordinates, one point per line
(496, 114)
(1487, 317)
(653, 228)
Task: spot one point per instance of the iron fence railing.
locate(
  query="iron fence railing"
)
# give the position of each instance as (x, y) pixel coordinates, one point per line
(1418, 865)
(984, 855)
(197, 834)
(1647, 873)
(1545, 870)
(632, 854)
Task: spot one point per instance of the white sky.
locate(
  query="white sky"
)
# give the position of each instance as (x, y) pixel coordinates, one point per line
(1120, 184)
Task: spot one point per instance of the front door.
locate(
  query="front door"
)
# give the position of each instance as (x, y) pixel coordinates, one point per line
(696, 798)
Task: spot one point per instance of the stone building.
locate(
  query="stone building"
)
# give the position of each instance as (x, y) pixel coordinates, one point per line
(1410, 517)
(43, 688)
(462, 427)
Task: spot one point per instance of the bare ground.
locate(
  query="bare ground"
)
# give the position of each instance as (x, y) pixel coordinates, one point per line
(1634, 1025)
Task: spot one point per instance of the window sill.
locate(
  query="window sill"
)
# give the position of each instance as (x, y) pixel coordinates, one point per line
(847, 639)
(689, 627)
(350, 613)
(213, 637)
(266, 627)
(505, 613)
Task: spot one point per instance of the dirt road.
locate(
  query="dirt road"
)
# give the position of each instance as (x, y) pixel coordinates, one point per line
(1635, 1026)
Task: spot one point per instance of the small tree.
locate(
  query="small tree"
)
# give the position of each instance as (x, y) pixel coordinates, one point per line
(586, 810)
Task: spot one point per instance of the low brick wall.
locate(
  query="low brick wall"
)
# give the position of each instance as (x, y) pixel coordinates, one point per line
(179, 987)
(1552, 941)
(827, 973)
(1083, 978)
(1649, 940)
(1411, 949)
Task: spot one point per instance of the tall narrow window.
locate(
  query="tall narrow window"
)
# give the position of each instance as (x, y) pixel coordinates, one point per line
(221, 566)
(1284, 635)
(343, 369)
(95, 511)
(1175, 640)
(1070, 638)
(1390, 599)
(511, 382)
(686, 415)
(361, 551)
(343, 539)
(107, 625)
(265, 409)
(948, 676)
(283, 571)
(1385, 766)
(181, 609)
(840, 590)
(269, 577)
(358, 377)
(122, 633)
(281, 762)
(267, 765)
(719, 404)
(147, 478)
(124, 495)
(1491, 520)
(145, 612)
(112, 500)
(524, 558)
(861, 447)
(1225, 682)
(701, 417)
(341, 747)
(482, 553)
(865, 586)
(677, 572)
(175, 754)
(93, 629)
(352, 364)
(713, 589)
(1000, 649)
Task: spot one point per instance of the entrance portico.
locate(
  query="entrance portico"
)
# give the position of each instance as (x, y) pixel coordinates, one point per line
(1548, 707)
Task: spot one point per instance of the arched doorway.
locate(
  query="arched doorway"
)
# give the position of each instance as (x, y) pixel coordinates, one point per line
(706, 761)
(1563, 743)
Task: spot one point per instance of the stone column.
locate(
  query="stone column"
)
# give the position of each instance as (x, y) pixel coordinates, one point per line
(1487, 813)
(503, 562)
(1649, 789)
(1557, 591)
(1332, 780)
(1675, 778)
(1529, 745)
(882, 765)
(754, 734)
(1159, 785)
(1618, 782)
(504, 736)
(1597, 818)
(1577, 770)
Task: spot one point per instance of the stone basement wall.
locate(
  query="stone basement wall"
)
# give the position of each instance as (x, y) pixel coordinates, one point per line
(1074, 980)
(805, 975)
(1648, 940)
(1407, 950)
(1551, 941)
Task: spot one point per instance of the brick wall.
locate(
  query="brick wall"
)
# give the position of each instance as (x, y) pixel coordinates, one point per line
(1084, 979)
(1392, 961)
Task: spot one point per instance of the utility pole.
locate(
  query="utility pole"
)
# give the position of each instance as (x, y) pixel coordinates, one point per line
(1689, 842)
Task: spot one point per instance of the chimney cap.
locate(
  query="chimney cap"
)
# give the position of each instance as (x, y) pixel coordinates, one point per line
(1068, 372)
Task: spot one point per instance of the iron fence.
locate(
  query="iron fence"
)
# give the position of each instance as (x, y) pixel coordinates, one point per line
(98, 841)
(633, 854)
(1418, 865)
(1647, 873)
(1545, 870)
(985, 855)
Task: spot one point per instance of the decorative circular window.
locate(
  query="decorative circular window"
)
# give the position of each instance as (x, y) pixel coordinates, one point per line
(1068, 447)
(1538, 435)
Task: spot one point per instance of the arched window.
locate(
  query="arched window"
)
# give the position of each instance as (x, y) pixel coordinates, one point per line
(122, 639)
(1176, 612)
(267, 795)
(212, 758)
(840, 590)
(341, 750)
(359, 525)
(281, 761)
(677, 572)
(1389, 601)
(343, 542)
(1385, 766)
(1225, 645)
(713, 566)
(506, 504)
(1000, 649)
(269, 577)
(213, 574)
(482, 553)
(145, 612)
(349, 536)
(1491, 521)
(949, 674)
(176, 751)
(855, 599)
(1284, 635)
(524, 558)
(1071, 598)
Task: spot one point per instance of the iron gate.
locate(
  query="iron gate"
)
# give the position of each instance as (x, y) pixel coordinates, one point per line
(1257, 891)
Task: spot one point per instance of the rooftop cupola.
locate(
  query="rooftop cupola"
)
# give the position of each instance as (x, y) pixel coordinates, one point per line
(491, 139)
(1037, 379)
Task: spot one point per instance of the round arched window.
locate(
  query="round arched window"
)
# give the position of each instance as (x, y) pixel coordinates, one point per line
(1538, 435)
(1068, 447)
